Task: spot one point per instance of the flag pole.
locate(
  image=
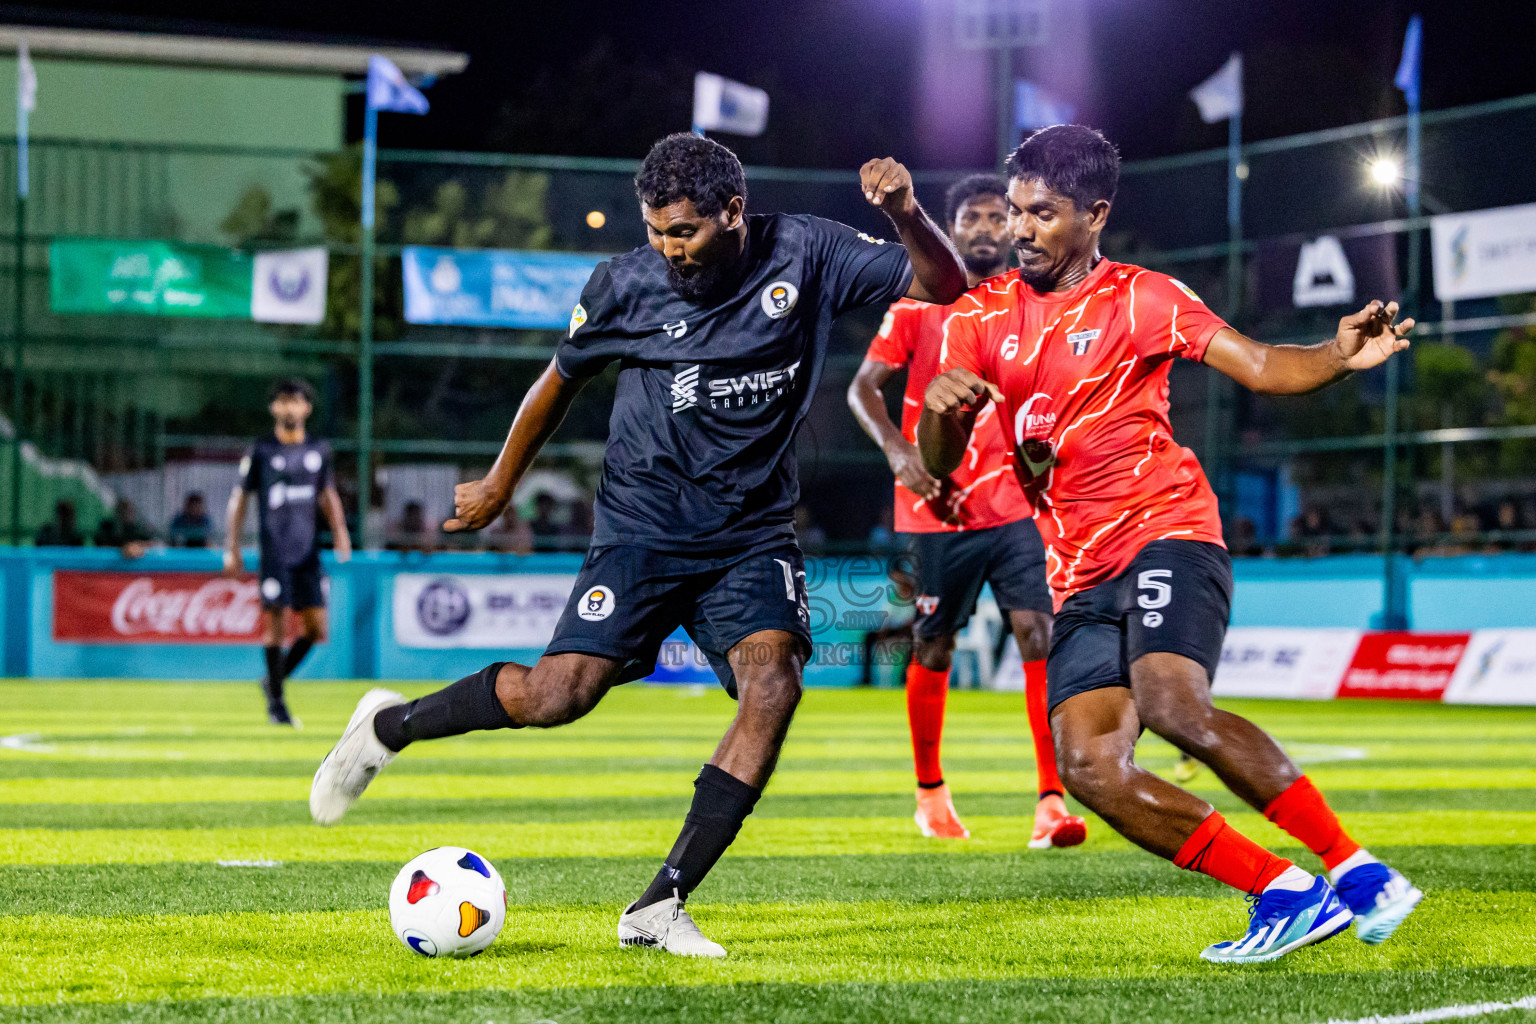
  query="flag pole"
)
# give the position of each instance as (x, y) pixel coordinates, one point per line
(365, 328)
(1216, 384)
(18, 336)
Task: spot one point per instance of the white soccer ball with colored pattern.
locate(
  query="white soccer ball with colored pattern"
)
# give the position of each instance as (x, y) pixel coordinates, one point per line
(448, 902)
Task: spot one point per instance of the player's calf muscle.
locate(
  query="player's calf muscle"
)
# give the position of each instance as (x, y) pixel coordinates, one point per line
(558, 689)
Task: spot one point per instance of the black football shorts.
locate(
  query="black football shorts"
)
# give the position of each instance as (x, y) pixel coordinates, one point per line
(292, 586)
(1174, 597)
(629, 599)
(951, 567)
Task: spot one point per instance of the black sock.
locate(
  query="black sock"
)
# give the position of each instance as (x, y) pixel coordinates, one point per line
(273, 685)
(464, 706)
(296, 654)
(721, 802)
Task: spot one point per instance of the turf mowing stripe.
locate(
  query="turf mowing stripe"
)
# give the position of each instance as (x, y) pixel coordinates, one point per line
(534, 807)
(789, 781)
(765, 836)
(133, 958)
(1457, 1012)
(97, 890)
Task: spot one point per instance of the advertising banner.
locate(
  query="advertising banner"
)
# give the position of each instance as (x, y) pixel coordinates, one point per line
(445, 611)
(92, 275)
(288, 287)
(92, 606)
(1326, 271)
(1295, 664)
(493, 287)
(1488, 252)
(1499, 667)
(1403, 666)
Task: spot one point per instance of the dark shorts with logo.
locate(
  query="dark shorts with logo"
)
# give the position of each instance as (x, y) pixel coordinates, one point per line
(629, 599)
(951, 567)
(292, 586)
(1174, 597)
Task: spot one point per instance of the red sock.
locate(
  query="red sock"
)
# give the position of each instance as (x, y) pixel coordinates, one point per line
(1040, 725)
(1302, 812)
(1221, 851)
(926, 690)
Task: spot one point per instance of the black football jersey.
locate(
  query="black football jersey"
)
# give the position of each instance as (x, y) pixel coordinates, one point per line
(700, 453)
(287, 480)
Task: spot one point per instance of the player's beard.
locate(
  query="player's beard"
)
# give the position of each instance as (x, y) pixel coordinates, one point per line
(1043, 280)
(708, 279)
(983, 266)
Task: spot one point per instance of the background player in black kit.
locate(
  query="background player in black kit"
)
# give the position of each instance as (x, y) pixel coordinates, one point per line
(719, 327)
(289, 473)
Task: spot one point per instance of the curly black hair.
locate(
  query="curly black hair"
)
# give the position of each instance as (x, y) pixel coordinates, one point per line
(688, 166)
(1071, 159)
(285, 386)
(969, 187)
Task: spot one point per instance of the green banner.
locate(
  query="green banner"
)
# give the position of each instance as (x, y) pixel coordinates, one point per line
(149, 278)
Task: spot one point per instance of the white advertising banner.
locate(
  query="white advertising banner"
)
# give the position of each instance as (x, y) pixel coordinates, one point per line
(1488, 252)
(288, 286)
(447, 610)
(1499, 667)
(1296, 664)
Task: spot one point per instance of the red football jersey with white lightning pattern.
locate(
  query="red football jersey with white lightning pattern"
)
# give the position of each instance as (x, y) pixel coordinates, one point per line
(1084, 375)
(984, 491)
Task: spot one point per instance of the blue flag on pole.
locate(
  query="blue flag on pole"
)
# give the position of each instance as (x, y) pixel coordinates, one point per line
(388, 89)
(1408, 68)
(26, 102)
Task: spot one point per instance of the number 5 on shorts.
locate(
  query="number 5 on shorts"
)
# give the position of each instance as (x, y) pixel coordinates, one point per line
(1160, 594)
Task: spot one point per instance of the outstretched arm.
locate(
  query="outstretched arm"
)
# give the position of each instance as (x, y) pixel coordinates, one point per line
(478, 503)
(937, 273)
(868, 407)
(1365, 339)
(949, 413)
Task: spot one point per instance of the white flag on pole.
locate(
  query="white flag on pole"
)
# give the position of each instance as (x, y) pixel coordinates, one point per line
(1221, 95)
(26, 79)
(288, 286)
(721, 105)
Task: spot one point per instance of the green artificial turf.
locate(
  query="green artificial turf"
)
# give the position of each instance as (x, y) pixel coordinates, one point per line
(120, 801)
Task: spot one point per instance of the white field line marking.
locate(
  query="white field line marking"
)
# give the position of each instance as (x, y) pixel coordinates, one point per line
(27, 742)
(250, 863)
(1313, 753)
(1456, 1012)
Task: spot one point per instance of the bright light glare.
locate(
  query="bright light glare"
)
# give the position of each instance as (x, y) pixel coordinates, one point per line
(596, 219)
(1385, 171)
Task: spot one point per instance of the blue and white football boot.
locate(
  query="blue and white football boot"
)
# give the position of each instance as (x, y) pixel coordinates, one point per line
(1380, 898)
(1282, 920)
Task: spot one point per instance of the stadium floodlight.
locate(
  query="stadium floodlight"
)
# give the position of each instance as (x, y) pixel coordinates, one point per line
(1386, 171)
(596, 219)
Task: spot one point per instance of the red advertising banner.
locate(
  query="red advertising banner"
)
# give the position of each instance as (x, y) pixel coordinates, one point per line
(1404, 666)
(155, 608)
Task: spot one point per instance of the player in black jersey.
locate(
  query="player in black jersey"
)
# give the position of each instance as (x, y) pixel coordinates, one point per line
(719, 327)
(290, 474)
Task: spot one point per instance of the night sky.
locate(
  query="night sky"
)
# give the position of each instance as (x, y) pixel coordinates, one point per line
(849, 78)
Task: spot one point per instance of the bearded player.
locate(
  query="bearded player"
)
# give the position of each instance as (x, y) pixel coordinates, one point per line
(720, 327)
(1076, 350)
(968, 528)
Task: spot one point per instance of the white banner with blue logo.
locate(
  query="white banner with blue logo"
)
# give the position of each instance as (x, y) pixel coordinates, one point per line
(1488, 252)
(288, 287)
(494, 287)
(485, 611)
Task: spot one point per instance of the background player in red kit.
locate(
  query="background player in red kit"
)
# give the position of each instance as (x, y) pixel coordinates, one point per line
(970, 527)
(1076, 350)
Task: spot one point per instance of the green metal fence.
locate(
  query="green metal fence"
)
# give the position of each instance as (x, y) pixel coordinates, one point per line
(125, 392)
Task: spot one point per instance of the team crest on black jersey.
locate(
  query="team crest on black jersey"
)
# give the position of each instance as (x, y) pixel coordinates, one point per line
(779, 298)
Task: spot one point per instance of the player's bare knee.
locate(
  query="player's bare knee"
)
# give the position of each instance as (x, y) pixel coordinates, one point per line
(553, 692)
(1032, 632)
(935, 653)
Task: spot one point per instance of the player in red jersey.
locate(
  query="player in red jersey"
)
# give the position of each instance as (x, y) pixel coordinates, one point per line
(1075, 349)
(970, 527)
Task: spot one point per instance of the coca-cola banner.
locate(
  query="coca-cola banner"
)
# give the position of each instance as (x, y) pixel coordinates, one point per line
(155, 608)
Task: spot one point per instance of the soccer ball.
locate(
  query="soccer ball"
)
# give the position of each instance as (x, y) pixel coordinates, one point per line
(448, 902)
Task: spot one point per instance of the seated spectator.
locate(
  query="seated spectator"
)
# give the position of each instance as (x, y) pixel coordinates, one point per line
(1314, 529)
(1244, 539)
(122, 530)
(61, 532)
(411, 532)
(191, 526)
(509, 534)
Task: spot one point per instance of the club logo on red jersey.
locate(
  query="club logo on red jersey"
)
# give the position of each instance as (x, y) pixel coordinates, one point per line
(1034, 418)
(1010, 347)
(1080, 341)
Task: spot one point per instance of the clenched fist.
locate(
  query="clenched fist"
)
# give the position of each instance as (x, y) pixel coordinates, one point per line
(475, 506)
(888, 185)
(959, 390)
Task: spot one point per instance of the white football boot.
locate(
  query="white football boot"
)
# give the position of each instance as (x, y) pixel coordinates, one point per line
(666, 925)
(353, 762)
